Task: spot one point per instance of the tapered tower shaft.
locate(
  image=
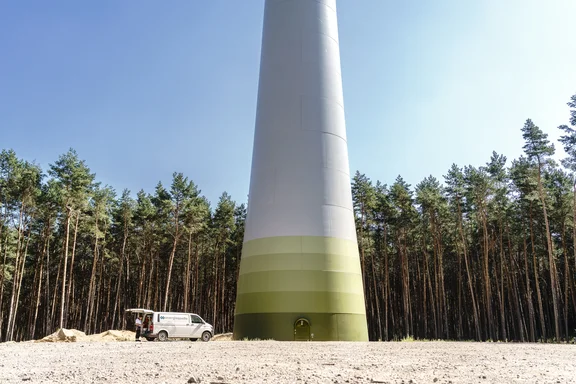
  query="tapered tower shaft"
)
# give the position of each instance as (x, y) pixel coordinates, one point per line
(300, 274)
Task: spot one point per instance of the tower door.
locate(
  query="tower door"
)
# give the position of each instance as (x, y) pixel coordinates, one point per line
(302, 330)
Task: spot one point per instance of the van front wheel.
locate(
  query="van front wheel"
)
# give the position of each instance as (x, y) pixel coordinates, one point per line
(206, 336)
(163, 336)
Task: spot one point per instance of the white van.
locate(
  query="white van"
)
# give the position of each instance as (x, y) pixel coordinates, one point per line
(164, 325)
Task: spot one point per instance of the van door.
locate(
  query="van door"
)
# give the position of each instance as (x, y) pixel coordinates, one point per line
(182, 325)
(197, 326)
(166, 322)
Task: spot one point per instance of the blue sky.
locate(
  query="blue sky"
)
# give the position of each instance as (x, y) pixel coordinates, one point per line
(142, 89)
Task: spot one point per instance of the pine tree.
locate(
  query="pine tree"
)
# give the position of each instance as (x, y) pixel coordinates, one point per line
(74, 179)
(539, 149)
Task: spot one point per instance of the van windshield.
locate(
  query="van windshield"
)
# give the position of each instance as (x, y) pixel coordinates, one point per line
(196, 319)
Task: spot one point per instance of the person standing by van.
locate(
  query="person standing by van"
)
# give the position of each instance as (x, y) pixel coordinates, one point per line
(138, 327)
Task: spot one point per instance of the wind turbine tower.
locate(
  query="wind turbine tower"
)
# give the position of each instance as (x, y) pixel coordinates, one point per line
(300, 276)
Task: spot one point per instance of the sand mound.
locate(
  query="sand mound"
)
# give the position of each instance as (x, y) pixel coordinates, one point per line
(223, 337)
(113, 335)
(64, 335)
(73, 335)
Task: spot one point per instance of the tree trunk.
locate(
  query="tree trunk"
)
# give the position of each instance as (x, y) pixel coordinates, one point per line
(513, 291)
(71, 274)
(2, 281)
(469, 274)
(20, 277)
(11, 314)
(531, 316)
(440, 254)
(361, 244)
(39, 289)
(376, 297)
(171, 259)
(196, 275)
(551, 261)
(405, 284)
(487, 283)
(187, 273)
(437, 302)
(501, 292)
(386, 284)
(53, 314)
(424, 296)
(66, 243)
(459, 294)
(574, 246)
(92, 284)
(537, 279)
(433, 298)
(223, 291)
(216, 280)
(120, 274)
(566, 281)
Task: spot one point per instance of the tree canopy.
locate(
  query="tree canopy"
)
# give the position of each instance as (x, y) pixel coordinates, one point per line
(488, 252)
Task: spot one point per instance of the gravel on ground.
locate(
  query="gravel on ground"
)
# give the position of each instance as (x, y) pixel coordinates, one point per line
(242, 362)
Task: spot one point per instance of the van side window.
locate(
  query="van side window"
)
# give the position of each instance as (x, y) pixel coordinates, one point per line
(196, 319)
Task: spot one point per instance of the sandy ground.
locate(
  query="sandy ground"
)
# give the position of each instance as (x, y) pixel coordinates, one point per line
(98, 361)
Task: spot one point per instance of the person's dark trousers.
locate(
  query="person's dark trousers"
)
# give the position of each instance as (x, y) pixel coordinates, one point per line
(137, 334)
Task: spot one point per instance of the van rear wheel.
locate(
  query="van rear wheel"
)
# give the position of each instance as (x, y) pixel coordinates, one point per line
(206, 336)
(163, 336)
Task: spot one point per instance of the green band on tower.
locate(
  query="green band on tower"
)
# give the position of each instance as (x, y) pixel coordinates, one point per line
(283, 279)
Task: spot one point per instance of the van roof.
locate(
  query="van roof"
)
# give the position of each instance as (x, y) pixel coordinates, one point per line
(178, 313)
(140, 310)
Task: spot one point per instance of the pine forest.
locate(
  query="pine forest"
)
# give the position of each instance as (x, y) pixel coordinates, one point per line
(485, 252)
